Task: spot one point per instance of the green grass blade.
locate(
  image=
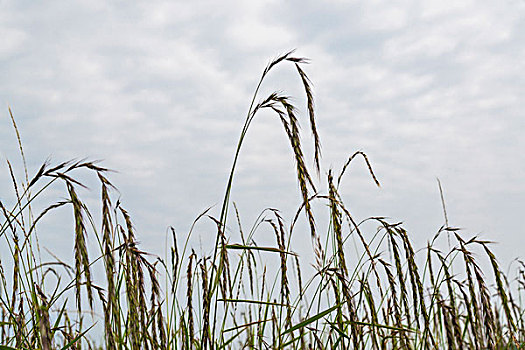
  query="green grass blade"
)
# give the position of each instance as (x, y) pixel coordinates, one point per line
(313, 318)
(265, 249)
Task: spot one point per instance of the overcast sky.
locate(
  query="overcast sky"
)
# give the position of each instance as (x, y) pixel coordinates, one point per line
(159, 91)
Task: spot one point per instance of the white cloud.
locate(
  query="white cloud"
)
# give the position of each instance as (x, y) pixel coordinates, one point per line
(384, 16)
(439, 9)
(13, 40)
(160, 89)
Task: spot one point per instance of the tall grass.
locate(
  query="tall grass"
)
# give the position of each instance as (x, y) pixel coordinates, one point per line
(370, 289)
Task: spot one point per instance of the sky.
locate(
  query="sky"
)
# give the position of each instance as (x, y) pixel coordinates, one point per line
(159, 91)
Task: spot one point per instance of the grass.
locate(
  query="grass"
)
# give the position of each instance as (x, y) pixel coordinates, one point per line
(370, 288)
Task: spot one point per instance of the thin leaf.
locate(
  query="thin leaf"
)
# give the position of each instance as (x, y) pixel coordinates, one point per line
(266, 249)
(313, 318)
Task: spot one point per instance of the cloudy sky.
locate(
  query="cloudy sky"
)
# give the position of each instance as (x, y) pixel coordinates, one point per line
(159, 91)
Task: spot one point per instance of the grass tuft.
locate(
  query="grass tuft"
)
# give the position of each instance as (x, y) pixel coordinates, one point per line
(369, 287)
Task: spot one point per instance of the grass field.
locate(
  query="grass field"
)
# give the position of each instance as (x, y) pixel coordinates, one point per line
(370, 289)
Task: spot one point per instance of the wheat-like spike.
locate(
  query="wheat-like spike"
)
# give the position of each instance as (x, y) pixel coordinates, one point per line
(175, 260)
(284, 267)
(449, 332)
(367, 164)
(299, 278)
(156, 309)
(226, 261)
(140, 285)
(400, 274)
(285, 290)
(475, 317)
(465, 301)
(135, 263)
(411, 273)
(82, 265)
(129, 268)
(291, 127)
(189, 297)
(500, 288)
(488, 317)
(515, 308)
(434, 288)
(417, 287)
(276, 61)
(452, 303)
(336, 223)
(311, 114)
(395, 303)
(206, 301)
(276, 339)
(376, 332)
(109, 261)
